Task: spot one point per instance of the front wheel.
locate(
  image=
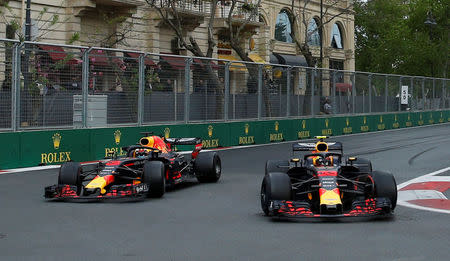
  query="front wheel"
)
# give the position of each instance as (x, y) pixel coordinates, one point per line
(208, 167)
(70, 174)
(275, 186)
(385, 186)
(154, 177)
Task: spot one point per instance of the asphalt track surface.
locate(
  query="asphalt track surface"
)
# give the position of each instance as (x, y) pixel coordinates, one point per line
(224, 221)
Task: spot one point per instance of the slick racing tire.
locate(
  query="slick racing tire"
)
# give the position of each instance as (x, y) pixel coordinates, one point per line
(208, 167)
(277, 166)
(70, 174)
(364, 165)
(385, 186)
(275, 186)
(154, 177)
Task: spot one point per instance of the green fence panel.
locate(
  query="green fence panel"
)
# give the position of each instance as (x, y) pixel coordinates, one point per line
(246, 133)
(214, 135)
(347, 125)
(303, 128)
(110, 141)
(420, 119)
(11, 151)
(278, 130)
(54, 147)
(57, 146)
(441, 116)
(327, 127)
(363, 123)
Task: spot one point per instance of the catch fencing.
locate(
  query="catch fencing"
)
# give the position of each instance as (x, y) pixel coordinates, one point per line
(46, 85)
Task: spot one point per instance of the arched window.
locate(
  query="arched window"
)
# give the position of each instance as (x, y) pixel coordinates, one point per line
(283, 27)
(313, 33)
(336, 37)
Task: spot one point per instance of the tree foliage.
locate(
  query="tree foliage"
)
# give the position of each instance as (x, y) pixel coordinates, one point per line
(392, 37)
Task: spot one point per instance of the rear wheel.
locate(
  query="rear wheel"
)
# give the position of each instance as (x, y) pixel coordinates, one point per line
(154, 177)
(208, 167)
(275, 186)
(70, 174)
(277, 166)
(385, 186)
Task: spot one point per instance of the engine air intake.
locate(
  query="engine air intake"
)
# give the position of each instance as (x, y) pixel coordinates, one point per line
(321, 146)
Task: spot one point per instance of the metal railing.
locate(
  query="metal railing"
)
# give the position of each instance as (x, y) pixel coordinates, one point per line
(61, 86)
(183, 5)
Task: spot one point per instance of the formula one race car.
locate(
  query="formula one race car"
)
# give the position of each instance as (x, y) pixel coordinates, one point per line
(324, 183)
(146, 170)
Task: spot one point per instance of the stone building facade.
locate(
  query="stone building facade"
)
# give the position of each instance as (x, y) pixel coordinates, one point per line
(104, 23)
(147, 33)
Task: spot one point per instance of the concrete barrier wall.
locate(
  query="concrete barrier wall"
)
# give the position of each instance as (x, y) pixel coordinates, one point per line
(31, 148)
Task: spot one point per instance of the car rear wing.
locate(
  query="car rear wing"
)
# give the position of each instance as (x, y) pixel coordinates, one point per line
(184, 141)
(332, 146)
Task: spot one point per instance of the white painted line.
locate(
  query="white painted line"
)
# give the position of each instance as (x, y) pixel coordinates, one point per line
(408, 195)
(244, 146)
(29, 169)
(409, 205)
(425, 178)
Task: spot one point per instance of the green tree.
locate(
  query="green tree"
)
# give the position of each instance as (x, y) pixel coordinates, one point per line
(392, 37)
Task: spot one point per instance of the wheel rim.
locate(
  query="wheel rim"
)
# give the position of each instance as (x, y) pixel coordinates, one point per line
(263, 196)
(218, 168)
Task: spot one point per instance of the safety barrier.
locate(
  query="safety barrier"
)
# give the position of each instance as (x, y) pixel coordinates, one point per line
(31, 148)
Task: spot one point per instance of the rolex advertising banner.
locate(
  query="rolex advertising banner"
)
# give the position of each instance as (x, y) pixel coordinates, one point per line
(54, 147)
(246, 133)
(278, 131)
(32, 148)
(110, 141)
(214, 135)
(328, 126)
(346, 125)
(304, 128)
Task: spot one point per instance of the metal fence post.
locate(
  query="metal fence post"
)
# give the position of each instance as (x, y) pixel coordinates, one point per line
(433, 107)
(288, 92)
(400, 93)
(411, 92)
(260, 90)
(141, 89)
(370, 92)
(313, 72)
(85, 86)
(353, 93)
(386, 94)
(226, 92)
(443, 94)
(423, 94)
(334, 92)
(15, 88)
(187, 83)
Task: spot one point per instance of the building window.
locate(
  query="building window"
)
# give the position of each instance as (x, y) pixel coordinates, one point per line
(336, 37)
(313, 33)
(283, 27)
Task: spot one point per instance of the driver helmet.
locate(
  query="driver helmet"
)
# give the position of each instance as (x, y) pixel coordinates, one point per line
(141, 152)
(329, 160)
(318, 161)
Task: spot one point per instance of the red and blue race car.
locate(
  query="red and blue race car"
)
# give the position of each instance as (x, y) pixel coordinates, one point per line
(324, 183)
(147, 170)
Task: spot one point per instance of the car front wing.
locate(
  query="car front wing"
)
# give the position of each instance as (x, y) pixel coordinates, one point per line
(65, 192)
(300, 209)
